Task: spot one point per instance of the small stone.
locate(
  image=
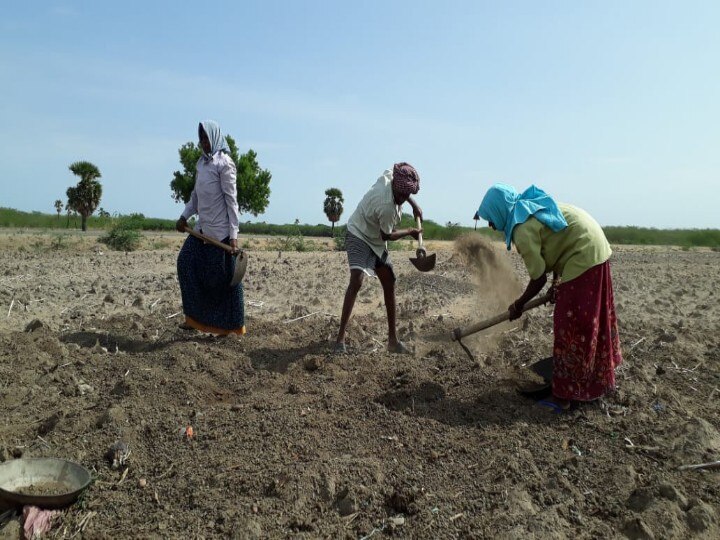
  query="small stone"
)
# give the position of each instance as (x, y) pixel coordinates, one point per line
(700, 517)
(637, 529)
(346, 506)
(139, 301)
(142, 483)
(672, 493)
(121, 389)
(327, 487)
(640, 499)
(312, 363)
(50, 423)
(33, 325)
(113, 416)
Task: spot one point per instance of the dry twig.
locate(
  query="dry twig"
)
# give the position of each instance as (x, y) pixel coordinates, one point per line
(700, 466)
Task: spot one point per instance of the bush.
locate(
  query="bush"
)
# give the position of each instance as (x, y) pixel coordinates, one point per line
(339, 239)
(294, 241)
(124, 236)
(58, 243)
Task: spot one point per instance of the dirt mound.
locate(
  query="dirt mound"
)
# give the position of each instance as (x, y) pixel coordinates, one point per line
(695, 440)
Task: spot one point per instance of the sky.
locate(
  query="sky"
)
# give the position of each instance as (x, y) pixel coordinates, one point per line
(613, 106)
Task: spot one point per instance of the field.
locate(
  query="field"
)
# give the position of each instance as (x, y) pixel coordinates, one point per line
(289, 441)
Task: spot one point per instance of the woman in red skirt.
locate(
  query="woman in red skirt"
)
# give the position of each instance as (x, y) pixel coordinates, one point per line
(567, 241)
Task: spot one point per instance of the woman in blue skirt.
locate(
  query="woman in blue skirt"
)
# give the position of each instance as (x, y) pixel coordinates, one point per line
(209, 302)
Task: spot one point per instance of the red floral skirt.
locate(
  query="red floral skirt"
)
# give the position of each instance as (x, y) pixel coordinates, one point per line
(587, 344)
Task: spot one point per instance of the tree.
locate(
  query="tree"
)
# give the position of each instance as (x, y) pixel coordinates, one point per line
(58, 207)
(85, 196)
(333, 205)
(253, 183)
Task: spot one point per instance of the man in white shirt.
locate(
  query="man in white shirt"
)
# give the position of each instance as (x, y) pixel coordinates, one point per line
(368, 230)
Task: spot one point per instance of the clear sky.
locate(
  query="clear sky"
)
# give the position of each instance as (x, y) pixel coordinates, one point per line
(611, 105)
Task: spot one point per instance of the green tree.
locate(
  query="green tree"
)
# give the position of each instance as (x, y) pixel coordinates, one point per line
(333, 206)
(58, 207)
(253, 183)
(85, 196)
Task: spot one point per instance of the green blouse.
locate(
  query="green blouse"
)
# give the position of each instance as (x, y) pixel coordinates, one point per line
(578, 247)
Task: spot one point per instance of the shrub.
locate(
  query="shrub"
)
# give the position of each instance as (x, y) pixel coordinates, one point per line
(339, 239)
(123, 236)
(58, 242)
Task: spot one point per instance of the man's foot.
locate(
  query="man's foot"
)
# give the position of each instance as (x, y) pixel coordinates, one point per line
(398, 348)
(339, 348)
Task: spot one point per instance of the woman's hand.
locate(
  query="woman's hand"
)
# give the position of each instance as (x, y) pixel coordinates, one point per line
(180, 224)
(554, 288)
(233, 244)
(515, 310)
(415, 233)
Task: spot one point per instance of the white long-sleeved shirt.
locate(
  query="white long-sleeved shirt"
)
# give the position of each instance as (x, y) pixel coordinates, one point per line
(214, 198)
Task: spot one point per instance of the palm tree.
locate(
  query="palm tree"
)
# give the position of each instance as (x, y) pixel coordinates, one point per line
(333, 206)
(85, 197)
(58, 207)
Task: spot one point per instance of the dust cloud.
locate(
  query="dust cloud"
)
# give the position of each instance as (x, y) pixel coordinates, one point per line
(497, 284)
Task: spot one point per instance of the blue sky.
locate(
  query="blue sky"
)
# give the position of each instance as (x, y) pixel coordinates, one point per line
(611, 105)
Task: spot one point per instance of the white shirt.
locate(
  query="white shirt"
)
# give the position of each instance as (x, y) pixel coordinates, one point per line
(376, 213)
(214, 198)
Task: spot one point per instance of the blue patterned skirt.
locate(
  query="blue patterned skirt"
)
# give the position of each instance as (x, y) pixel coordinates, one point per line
(205, 272)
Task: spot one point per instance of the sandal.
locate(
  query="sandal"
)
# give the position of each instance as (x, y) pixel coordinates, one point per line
(555, 408)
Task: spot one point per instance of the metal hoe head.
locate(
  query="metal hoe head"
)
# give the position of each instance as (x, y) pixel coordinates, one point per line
(241, 262)
(422, 261)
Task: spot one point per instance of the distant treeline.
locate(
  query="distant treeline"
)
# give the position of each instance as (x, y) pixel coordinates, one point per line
(431, 230)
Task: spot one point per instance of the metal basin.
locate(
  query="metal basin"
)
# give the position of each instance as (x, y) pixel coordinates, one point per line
(43, 482)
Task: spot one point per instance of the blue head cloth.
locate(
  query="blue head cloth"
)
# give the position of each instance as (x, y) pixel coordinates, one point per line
(217, 141)
(506, 208)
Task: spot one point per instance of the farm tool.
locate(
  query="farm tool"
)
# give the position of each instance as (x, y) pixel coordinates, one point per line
(460, 333)
(422, 261)
(241, 258)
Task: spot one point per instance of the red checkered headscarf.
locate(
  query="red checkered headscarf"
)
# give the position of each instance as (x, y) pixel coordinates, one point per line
(406, 179)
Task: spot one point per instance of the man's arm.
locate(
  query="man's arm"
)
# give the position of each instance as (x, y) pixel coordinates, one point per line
(400, 233)
(417, 212)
